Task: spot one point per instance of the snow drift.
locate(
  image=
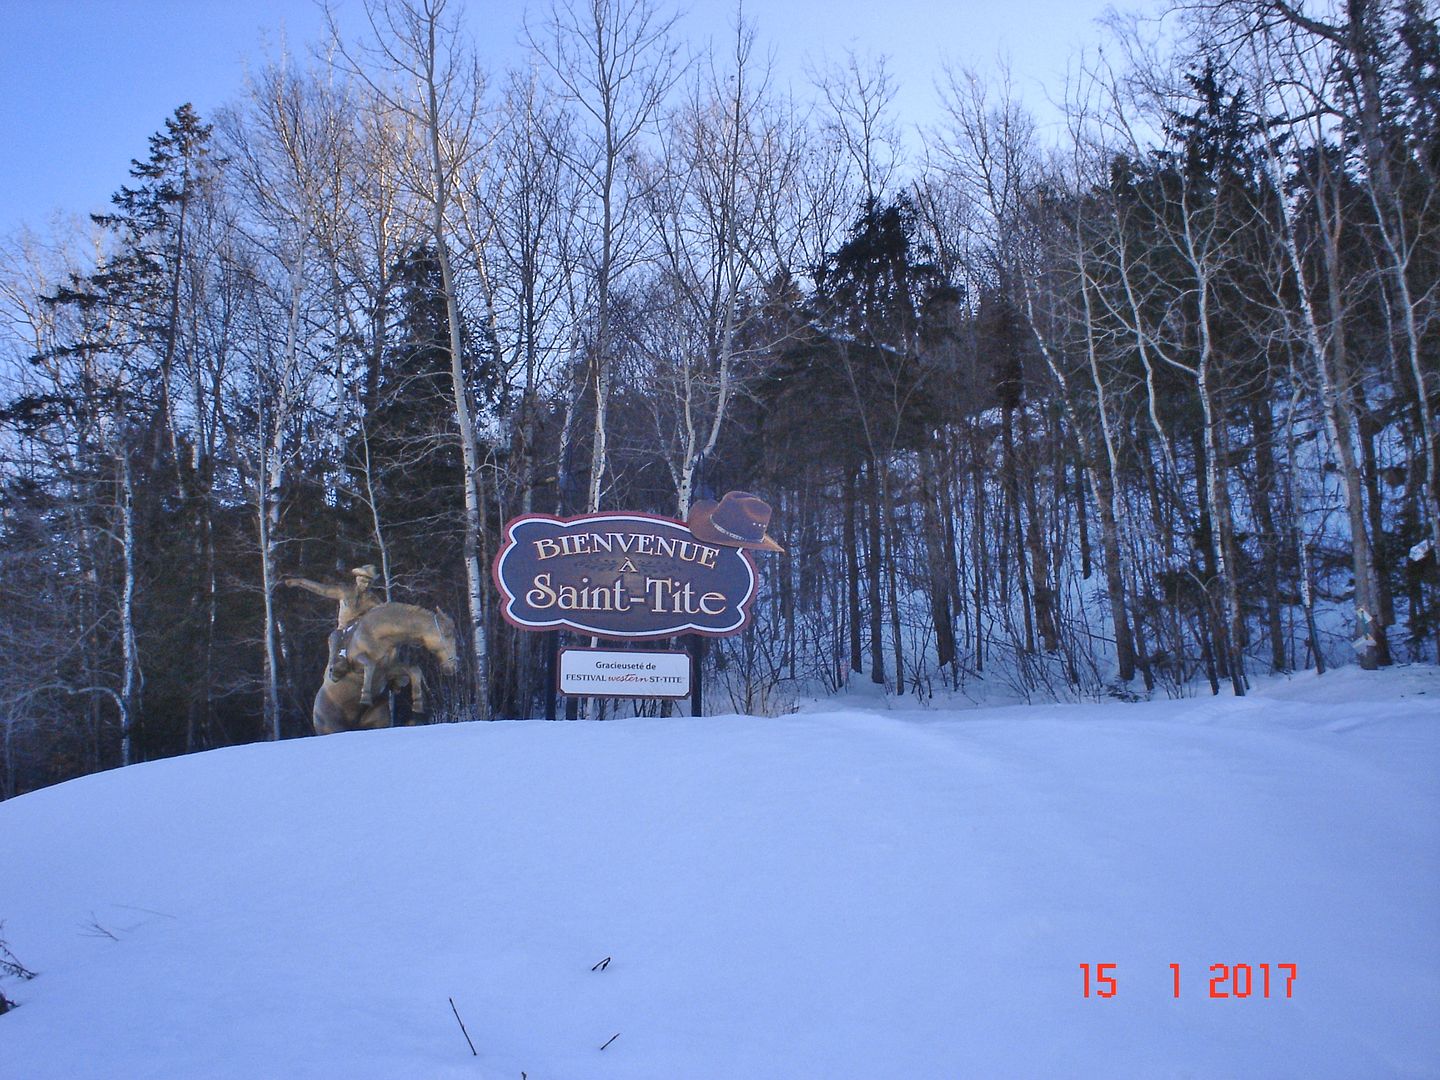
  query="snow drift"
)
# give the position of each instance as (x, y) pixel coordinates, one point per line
(841, 893)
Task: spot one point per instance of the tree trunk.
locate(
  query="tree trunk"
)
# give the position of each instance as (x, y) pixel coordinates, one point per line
(1262, 424)
(851, 540)
(873, 574)
(937, 564)
(469, 452)
(130, 659)
(1013, 517)
(1331, 369)
(892, 566)
(1297, 538)
(980, 550)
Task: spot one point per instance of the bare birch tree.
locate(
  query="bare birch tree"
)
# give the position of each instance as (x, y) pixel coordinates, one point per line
(728, 152)
(613, 60)
(439, 90)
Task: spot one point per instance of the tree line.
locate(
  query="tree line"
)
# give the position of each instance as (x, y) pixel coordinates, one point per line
(1145, 402)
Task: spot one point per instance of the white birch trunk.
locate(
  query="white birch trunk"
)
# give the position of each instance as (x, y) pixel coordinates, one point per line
(130, 684)
(266, 511)
(1339, 421)
(469, 453)
(1217, 480)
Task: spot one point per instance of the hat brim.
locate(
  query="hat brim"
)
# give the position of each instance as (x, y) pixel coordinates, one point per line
(699, 523)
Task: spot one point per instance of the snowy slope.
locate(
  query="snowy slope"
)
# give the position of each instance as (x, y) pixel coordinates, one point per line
(845, 894)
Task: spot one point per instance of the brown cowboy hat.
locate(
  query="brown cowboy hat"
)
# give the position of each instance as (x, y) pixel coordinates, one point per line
(368, 570)
(739, 520)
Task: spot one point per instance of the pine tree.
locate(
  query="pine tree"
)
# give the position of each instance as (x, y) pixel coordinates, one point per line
(132, 316)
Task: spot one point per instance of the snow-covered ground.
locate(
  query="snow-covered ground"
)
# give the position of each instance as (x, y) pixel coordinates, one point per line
(842, 893)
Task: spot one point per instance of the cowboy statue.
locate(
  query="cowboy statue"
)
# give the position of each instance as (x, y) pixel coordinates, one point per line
(355, 600)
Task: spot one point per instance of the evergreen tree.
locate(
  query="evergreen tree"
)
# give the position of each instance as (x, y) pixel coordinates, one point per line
(414, 453)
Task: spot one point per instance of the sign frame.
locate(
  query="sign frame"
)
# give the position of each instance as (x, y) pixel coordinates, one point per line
(742, 566)
(624, 657)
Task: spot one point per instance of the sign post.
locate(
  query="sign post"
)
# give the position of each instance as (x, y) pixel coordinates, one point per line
(552, 675)
(697, 656)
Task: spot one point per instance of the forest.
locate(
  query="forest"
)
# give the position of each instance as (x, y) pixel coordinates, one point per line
(1143, 402)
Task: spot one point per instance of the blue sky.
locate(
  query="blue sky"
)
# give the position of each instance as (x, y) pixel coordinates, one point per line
(83, 83)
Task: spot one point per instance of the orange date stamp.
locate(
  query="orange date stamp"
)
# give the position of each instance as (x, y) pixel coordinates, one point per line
(1239, 981)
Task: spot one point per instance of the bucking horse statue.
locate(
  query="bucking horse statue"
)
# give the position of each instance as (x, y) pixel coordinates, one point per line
(355, 693)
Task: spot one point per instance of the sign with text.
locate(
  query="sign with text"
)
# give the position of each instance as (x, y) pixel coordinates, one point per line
(621, 576)
(610, 673)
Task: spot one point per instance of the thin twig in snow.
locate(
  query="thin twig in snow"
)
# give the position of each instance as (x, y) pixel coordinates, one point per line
(462, 1027)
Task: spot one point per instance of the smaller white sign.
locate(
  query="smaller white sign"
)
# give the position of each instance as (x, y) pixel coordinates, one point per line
(613, 673)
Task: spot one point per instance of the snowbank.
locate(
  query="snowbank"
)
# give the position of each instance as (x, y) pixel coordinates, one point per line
(846, 894)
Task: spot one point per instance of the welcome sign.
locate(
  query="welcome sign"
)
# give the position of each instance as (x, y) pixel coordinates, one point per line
(621, 576)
